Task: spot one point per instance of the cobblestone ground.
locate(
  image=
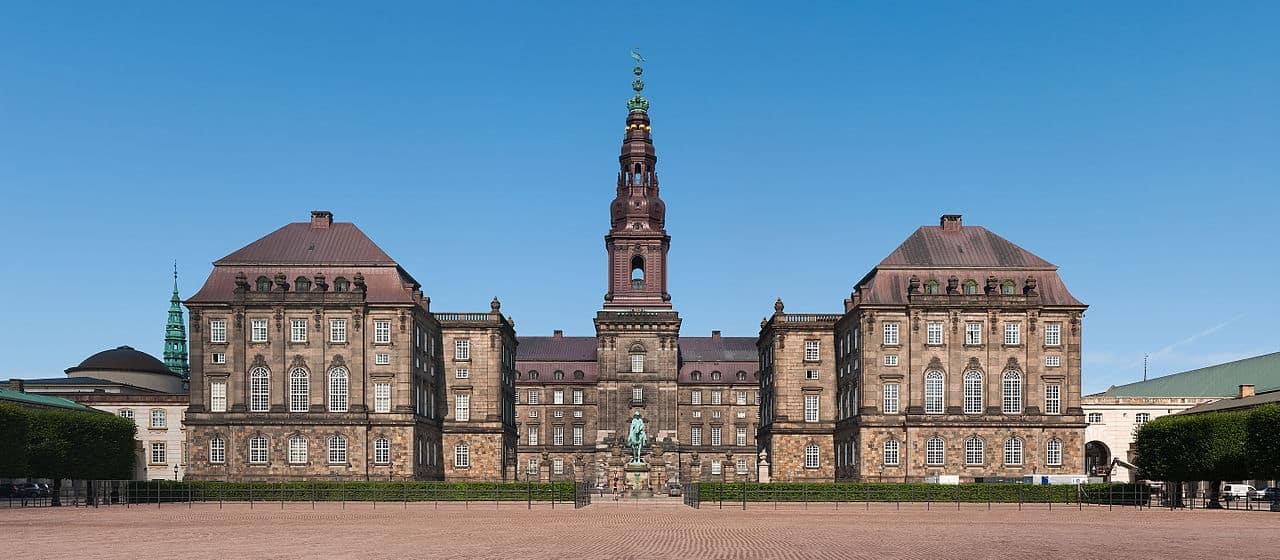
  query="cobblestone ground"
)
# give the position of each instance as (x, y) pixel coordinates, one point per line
(630, 530)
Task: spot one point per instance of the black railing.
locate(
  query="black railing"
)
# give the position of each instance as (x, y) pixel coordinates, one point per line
(691, 497)
(581, 495)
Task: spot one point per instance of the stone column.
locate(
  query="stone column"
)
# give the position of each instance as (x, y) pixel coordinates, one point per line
(763, 467)
(544, 473)
(579, 469)
(695, 468)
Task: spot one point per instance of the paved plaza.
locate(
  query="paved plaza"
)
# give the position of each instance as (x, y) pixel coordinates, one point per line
(630, 530)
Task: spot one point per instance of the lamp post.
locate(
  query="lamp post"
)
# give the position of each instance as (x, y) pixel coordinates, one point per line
(175, 472)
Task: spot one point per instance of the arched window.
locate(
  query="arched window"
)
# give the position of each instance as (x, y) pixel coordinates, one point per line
(1012, 392)
(297, 450)
(338, 390)
(1053, 453)
(1007, 287)
(217, 451)
(972, 392)
(341, 284)
(715, 376)
(533, 374)
(263, 284)
(931, 288)
(973, 448)
(338, 450)
(557, 375)
(696, 375)
(381, 451)
(970, 287)
(461, 456)
(811, 456)
(299, 390)
(1013, 452)
(301, 284)
(259, 390)
(891, 448)
(933, 392)
(934, 452)
(577, 374)
(742, 376)
(258, 449)
(637, 272)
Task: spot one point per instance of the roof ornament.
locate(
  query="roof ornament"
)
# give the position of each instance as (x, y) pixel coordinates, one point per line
(495, 305)
(777, 306)
(637, 104)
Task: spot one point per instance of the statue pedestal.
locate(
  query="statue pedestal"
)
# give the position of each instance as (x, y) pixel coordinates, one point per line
(637, 475)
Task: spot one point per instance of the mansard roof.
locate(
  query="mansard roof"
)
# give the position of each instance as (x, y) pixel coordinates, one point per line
(556, 349)
(718, 349)
(302, 243)
(962, 247)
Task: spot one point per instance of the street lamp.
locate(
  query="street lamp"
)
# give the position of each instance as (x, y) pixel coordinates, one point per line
(175, 471)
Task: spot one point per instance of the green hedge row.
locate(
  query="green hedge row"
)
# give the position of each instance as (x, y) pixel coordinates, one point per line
(211, 491)
(1211, 447)
(58, 444)
(899, 492)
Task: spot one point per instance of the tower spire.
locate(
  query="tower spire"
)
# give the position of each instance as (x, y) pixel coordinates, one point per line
(175, 334)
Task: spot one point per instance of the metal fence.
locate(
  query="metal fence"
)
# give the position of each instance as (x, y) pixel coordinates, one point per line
(690, 493)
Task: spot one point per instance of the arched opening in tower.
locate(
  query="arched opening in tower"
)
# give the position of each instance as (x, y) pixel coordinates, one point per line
(637, 272)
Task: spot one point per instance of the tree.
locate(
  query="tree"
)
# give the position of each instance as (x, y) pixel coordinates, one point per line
(1263, 432)
(1201, 447)
(78, 445)
(13, 440)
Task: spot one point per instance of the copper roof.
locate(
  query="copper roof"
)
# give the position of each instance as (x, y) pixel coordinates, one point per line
(967, 246)
(302, 243)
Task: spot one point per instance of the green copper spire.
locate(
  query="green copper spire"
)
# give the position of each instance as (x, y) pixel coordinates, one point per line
(175, 334)
(638, 104)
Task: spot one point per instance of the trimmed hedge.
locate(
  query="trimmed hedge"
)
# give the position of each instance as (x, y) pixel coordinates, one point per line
(13, 440)
(1197, 447)
(61, 444)
(1263, 432)
(908, 492)
(212, 491)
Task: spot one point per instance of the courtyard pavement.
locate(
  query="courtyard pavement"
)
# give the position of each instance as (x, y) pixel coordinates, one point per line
(633, 530)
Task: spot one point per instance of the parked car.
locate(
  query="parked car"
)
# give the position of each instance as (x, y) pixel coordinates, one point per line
(28, 490)
(1237, 491)
(45, 490)
(1266, 494)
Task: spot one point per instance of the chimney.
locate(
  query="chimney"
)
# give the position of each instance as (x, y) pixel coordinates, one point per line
(321, 219)
(715, 335)
(951, 222)
(1245, 391)
(557, 334)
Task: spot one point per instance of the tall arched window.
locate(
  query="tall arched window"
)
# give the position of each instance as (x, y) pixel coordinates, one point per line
(337, 450)
(934, 452)
(258, 449)
(933, 392)
(637, 272)
(972, 392)
(1053, 453)
(299, 390)
(338, 390)
(1013, 451)
(381, 451)
(297, 450)
(1012, 392)
(891, 449)
(973, 449)
(811, 456)
(259, 390)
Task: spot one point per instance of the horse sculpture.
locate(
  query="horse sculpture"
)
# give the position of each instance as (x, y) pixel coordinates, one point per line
(637, 438)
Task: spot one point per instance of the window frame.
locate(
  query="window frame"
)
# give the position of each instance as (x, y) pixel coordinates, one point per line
(381, 451)
(298, 452)
(462, 349)
(973, 333)
(259, 446)
(812, 456)
(259, 390)
(218, 395)
(1053, 398)
(811, 407)
(338, 448)
(382, 332)
(1053, 452)
(217, 451)
(975, 451)
(297, 330)
(933, 333)
(1012, 333)
(218, 331)
(891, 333)
(339, 393)
(935, 452)
(1013, 452)
(891, 448)
(973, 392)
(299, 393)
(890, 393)
(461, 456)
(1011, 393)
(812, 350)
(381, 397)
(259, 330)
(338, 331)
(934, 392)
(462, 407)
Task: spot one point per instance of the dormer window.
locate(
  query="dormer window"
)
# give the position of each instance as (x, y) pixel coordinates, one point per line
(696, 375)
(1007, 288)
(931, 288)
(263, 284)
(302, 284)
(970, 288)
(637, 273)
(341, 284)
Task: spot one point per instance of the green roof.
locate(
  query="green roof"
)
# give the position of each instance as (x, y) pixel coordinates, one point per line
(40, 400)
(1222, 380)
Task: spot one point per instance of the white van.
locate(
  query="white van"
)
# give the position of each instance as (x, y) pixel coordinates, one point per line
(1237, 491)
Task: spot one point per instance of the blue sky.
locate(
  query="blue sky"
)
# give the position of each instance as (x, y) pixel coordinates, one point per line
(1133, 145)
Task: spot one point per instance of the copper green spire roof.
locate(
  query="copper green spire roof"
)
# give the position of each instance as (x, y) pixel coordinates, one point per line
(175, 334)
(638, 104)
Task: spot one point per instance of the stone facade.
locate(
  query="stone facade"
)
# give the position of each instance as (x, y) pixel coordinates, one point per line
(798, 395)
(479, 422)
(1112, 422)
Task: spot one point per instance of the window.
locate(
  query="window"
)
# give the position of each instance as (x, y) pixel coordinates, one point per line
(1007, 288)
(337, 330)
(299, 391)
(1013, 451)
(533, 434)
(715, 414)
(1012, 392)
(891, 453)
(972, 333)
(337, 450)
(533, 413)
(890, 398)
(695, 435)
(462, 373)
(934, 452)
(382, 332)
(715, 467)
(577, 396)
(931, 288)
(462, 349)
(933, 392)
(298, 330)
(217, 451)
(811, 408)
(558, 375)
(740, 398)
(577, 414)
(557, 397)
(890, 359)
(970, 288)
(1053, 453)
(157, 419)
(1141, 418)
(461, 456)
(1094, 418)
(715, 397)
(381, 451)
(715, 436)
(258, 330)
(557, 435)
(740, 466)
(337, 390)
(810, 375)
(557, 414)
(297, 450)
(696, 375)
(740, 438)
(381, 359)
(557, 466)
(811, 350)
(973, 450)
(972, 392)
(217, 397)
(1052, 334)
(1053, 398)
(742, 376)
(811, 456)
(462, 408)
(258, 450)
(1013, 334)
(218, 358)
(532, 467)
(218, 330)
(382, 397)
(637, 363)
(157, 453)
(891, 334)
(695, 397)
(637, 394)
(933, 333)
(577, 374)
(259, 390)
(1052, 361)
(577, 435)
